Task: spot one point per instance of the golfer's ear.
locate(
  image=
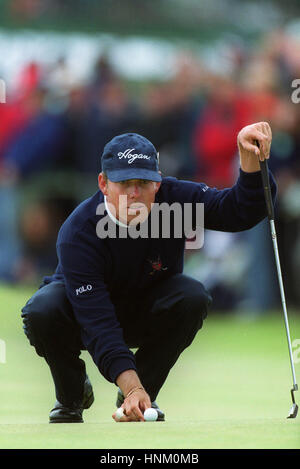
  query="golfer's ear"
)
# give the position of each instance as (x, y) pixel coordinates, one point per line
(102, 183)
(157, 186)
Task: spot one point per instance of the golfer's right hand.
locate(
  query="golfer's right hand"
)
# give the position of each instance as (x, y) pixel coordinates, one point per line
(134, 407)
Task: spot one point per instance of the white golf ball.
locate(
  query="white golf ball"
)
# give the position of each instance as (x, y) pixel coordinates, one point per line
(119, 413)
(150, 415)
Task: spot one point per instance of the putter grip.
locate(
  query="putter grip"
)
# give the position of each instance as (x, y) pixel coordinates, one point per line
(267, 188)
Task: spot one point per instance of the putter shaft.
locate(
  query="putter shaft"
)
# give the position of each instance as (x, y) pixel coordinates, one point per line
(282, 294)
(270, 210)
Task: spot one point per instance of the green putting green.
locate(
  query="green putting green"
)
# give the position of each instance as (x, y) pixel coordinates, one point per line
(229, 389)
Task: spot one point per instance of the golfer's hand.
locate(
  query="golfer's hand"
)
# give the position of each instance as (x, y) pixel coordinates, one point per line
(134, 407)
(250, 153)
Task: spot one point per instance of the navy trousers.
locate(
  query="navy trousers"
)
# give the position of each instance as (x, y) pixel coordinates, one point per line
(160, 325)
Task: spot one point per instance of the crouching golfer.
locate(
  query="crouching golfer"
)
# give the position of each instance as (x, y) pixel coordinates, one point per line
(113, 291)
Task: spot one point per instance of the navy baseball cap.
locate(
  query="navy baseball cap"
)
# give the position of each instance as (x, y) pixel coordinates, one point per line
(130, 156)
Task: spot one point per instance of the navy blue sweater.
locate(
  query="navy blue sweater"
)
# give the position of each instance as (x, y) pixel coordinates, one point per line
(98, 272)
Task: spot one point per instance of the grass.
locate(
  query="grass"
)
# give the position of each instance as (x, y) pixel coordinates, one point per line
(229, 389)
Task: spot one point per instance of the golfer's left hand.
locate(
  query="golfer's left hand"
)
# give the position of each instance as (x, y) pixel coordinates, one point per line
(250, 153)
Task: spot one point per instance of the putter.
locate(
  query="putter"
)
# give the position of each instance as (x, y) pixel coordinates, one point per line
(270, 208)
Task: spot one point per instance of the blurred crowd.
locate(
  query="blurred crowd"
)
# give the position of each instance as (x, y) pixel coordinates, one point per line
(53, 130)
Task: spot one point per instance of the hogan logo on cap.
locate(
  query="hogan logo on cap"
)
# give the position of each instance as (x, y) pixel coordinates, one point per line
(130, 156)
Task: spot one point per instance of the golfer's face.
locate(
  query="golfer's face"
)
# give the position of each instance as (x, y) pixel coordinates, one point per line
(132, 199)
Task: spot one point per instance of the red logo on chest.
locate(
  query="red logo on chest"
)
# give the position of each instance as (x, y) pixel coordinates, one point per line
(157, 266)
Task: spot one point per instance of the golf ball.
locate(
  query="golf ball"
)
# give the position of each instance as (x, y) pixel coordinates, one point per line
(150, 415)
(119, 413)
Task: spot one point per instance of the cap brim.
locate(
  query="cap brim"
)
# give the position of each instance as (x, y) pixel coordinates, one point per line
(126, 174)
